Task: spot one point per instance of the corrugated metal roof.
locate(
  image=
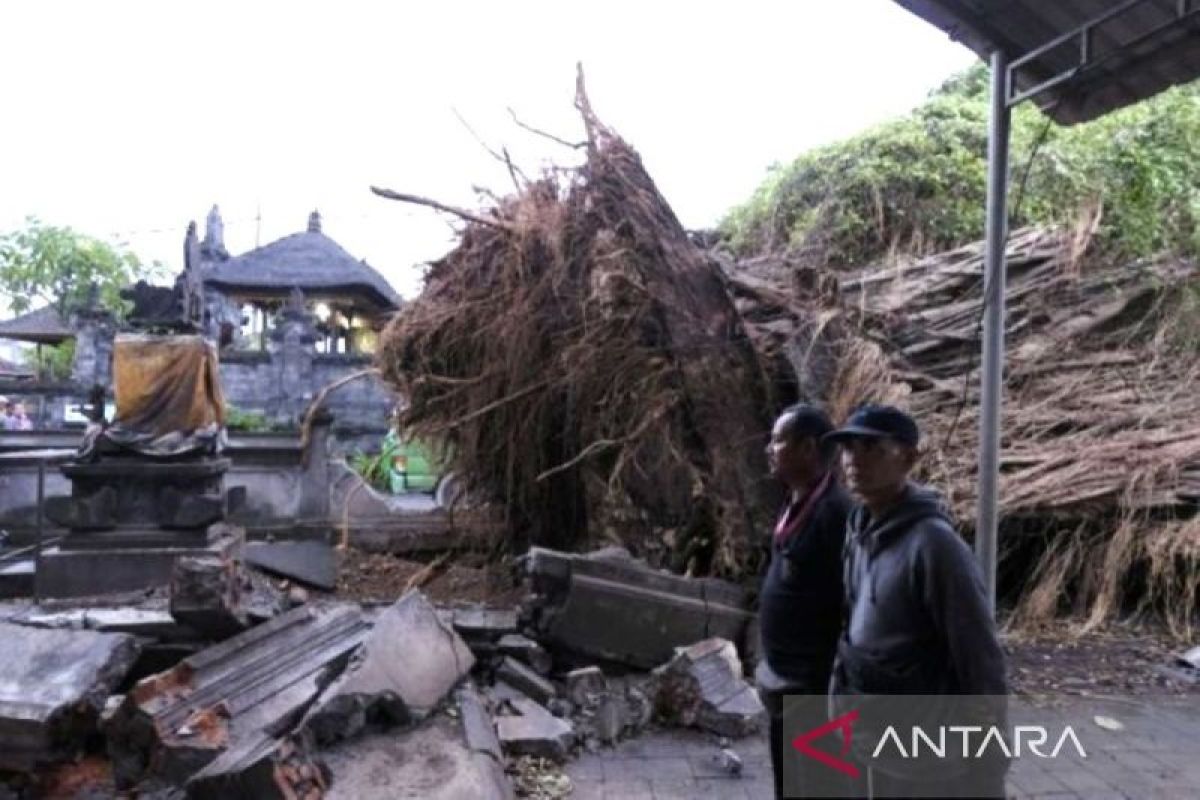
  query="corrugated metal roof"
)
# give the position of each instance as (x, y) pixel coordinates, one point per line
(1149, 46)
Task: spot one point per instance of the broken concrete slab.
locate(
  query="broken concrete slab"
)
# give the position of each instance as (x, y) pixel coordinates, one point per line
(526, 728)
(702, 686)
(479, 730)
(312, 563)
(262, 767)
(439, 759)
(173, 724)
(405, 667)
(647, 613)
(521, 677)
(53, 685)
(527, 651)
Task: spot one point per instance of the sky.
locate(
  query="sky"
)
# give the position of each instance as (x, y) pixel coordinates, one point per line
(125, 120)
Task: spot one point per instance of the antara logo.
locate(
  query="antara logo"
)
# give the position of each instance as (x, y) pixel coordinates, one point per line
(1034, 737)
(845, 724)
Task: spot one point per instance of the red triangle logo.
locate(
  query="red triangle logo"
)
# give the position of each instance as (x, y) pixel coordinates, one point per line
(845, 724)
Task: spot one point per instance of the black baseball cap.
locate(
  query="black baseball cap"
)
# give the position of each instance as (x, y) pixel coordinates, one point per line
(878, 422)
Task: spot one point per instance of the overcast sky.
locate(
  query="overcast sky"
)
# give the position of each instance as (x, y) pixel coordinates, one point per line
(127, 120)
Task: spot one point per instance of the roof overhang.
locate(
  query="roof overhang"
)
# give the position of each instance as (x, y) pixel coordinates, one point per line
(1078, 59)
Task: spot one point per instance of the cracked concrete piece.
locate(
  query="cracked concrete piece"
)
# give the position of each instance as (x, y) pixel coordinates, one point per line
(527, 651)
(521, 677)
(702, 686)
(533, 731)
(53, 686)
(431, 761)
(409, 662)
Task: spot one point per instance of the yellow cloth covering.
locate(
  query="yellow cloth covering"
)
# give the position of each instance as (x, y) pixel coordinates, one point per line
(166, 384)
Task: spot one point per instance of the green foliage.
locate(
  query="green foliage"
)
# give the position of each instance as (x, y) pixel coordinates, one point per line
(916, 184)
(237, 419)
(52, 362)
(45, 264)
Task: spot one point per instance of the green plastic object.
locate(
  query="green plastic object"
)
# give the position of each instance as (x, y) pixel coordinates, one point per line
(413, 468)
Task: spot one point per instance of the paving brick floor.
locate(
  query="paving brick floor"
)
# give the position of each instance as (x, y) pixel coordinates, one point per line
(1156, 754)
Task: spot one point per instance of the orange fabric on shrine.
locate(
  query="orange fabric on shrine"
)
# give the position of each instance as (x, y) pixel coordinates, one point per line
(166, 384)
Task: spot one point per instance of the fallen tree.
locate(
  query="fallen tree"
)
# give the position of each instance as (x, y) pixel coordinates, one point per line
(586, 368)
(1100, 461)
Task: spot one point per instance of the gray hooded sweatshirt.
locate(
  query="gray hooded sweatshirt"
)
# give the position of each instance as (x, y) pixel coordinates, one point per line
(918, 620)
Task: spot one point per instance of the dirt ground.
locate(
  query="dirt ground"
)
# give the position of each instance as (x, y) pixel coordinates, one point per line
(467, 578)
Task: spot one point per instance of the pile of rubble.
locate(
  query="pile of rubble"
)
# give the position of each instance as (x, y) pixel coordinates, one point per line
(222, 690)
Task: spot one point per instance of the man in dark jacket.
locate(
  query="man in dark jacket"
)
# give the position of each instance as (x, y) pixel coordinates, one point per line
(800, 607)
(918, 620)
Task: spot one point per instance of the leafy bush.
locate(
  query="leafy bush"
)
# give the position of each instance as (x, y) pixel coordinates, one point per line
(916, 184)
(237, 419)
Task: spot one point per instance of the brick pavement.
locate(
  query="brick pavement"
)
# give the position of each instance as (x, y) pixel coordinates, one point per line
(1155, 755)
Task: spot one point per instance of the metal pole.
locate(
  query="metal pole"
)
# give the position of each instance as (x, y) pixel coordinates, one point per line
(37, 553)
(992, 384)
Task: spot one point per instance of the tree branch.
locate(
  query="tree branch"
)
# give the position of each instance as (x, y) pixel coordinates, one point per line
(425, 201)
(550, 136)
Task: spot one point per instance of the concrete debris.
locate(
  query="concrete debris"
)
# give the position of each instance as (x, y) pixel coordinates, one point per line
(481, 628)
(439, 759)
(173, 724)
(206, 596)
(525, 728)
(521, 677)
(608, 710)
(526, 650)
(405, 667)
(585, 684)
(219, 597)
(311, 563)
(646, 614)
(262, 768)
(479, 730)
(702, 687)
(53, 685)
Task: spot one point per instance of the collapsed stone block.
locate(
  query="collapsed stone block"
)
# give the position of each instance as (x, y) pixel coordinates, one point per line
(526, 728)
(438, 759)
(527, 651)
(405, 667)
(174, 723)
(646, 613)
(702, 686)
(521, 677)
(53, 687)
(262, 768)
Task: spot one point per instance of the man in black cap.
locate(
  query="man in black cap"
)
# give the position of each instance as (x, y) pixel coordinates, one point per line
(800, 607)
(918, 619)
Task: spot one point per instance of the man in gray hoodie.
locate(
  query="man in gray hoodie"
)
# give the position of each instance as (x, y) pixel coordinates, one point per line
(918, 621)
